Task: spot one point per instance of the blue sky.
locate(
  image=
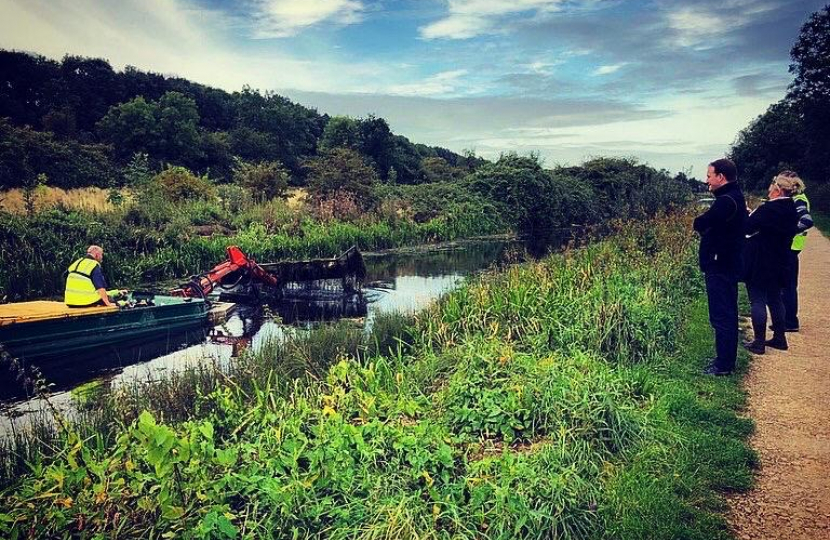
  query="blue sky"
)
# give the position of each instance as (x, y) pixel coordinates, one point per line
(667, 81)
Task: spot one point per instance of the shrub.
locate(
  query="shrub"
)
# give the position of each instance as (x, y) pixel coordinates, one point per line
(179, 184)
(267, 180)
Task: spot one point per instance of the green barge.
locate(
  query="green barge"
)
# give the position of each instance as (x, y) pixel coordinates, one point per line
(32, 330)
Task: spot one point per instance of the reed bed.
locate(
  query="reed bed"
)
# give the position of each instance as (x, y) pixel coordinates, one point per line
(88, 199)
(559, 399)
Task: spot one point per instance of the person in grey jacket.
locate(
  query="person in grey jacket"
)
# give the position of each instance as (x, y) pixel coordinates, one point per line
(721, 230)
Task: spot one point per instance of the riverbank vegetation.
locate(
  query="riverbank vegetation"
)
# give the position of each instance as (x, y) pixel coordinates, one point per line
(560, 398)
(172, 223)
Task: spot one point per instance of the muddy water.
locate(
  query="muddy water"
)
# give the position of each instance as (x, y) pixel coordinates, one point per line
(401, 281)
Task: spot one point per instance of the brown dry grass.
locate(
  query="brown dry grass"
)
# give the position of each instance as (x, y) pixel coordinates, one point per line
(89, 198)
(296, 198)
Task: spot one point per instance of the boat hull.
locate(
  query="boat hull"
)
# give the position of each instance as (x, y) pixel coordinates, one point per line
(61, 335)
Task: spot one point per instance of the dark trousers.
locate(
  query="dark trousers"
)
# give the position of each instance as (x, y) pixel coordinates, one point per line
(790, 292)
(762, 296)
(722, 293)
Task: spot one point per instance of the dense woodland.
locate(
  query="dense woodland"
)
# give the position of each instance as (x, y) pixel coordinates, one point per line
(795, 132)
(79, 122)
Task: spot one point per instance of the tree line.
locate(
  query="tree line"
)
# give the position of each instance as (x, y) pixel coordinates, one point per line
(80, 122)
(794, 133)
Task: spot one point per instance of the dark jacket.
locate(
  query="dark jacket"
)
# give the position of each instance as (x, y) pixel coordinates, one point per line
(721, 230)
(771, 228)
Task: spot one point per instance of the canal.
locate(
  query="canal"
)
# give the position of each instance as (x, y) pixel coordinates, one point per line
(402, 281)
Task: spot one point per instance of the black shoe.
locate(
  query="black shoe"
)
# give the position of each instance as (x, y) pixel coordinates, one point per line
(712, 369)
(777, 343)
(755, 346)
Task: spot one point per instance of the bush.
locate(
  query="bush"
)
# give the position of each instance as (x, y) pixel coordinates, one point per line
(267, 180)
(179, 184)
(340, 172)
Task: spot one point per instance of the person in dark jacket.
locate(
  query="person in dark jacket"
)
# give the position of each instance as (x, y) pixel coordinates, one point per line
(770, 229)
(721, 230)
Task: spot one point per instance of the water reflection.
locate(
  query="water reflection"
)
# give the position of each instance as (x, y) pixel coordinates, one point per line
(404, 281)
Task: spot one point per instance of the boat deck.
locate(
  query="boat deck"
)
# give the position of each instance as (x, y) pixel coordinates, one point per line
(41, 310)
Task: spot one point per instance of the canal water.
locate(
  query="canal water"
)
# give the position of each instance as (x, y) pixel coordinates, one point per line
(403, 281)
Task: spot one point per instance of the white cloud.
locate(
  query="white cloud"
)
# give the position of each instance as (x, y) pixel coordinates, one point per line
(284, 18)
(607, 70)
(441, 84)
(469, 18)
(704, 27)
(170, 37)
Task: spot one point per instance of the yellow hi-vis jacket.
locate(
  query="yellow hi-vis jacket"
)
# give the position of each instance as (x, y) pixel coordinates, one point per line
(80, 290)
(801, 238)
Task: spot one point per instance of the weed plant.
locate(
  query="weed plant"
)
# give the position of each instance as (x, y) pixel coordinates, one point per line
(558, 399)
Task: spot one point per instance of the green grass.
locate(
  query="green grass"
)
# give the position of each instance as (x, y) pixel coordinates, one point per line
(821, 221)
(558, 399)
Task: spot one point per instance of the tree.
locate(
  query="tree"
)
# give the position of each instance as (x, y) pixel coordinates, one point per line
(340, 131)
(436, 169)
(178, 119)
(524, 192)
(266, 180)
(131, 128)
(772, 142)
(342, 172)
(811, 91)
(811, 58)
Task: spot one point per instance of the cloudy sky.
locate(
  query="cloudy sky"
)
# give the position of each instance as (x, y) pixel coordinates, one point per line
(670, 82)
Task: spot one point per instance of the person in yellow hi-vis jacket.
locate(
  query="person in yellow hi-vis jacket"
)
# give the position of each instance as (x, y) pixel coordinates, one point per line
(790, 291)
(85, 282)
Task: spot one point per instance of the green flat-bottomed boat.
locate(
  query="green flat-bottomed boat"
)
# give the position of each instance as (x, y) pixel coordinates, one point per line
(30, 330)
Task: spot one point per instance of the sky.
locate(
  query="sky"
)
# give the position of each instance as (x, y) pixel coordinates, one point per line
(669, 82)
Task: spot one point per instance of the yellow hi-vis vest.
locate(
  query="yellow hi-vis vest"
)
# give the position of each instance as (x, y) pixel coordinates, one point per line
(801, 238)
(80, 290)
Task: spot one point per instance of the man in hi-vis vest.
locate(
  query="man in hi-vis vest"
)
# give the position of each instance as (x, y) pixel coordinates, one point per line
(789, 293)
(85, 282)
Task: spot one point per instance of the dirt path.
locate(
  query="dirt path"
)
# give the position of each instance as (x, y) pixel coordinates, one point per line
(789, 399)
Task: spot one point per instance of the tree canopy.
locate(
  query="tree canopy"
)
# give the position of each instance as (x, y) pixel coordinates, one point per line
(82, 104)
(795, 132)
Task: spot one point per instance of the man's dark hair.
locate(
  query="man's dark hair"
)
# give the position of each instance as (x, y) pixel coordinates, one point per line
(726, 167)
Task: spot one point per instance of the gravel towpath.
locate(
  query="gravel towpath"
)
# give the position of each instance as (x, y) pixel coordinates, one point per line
(789, 399)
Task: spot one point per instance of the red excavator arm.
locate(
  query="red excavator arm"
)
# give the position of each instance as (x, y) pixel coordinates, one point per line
(202, 285)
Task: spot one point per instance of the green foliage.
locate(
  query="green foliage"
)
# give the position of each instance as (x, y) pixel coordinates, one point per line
(501, 421)
(436, 169)
(131, 127)
(342, 172)
(67, 163)
(167, 130)
(178, 122)
(266, 181)
(794, 132)
(31, 185)
(179, 184)
(773, 142)
(137, 172)
(524, 191)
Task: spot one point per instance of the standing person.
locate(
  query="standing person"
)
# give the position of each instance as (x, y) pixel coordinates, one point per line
(805, 222)
(85, 282)
(721, 230)
(770, 229)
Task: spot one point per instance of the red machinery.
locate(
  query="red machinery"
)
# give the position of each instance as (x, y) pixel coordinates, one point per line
(235, 268)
